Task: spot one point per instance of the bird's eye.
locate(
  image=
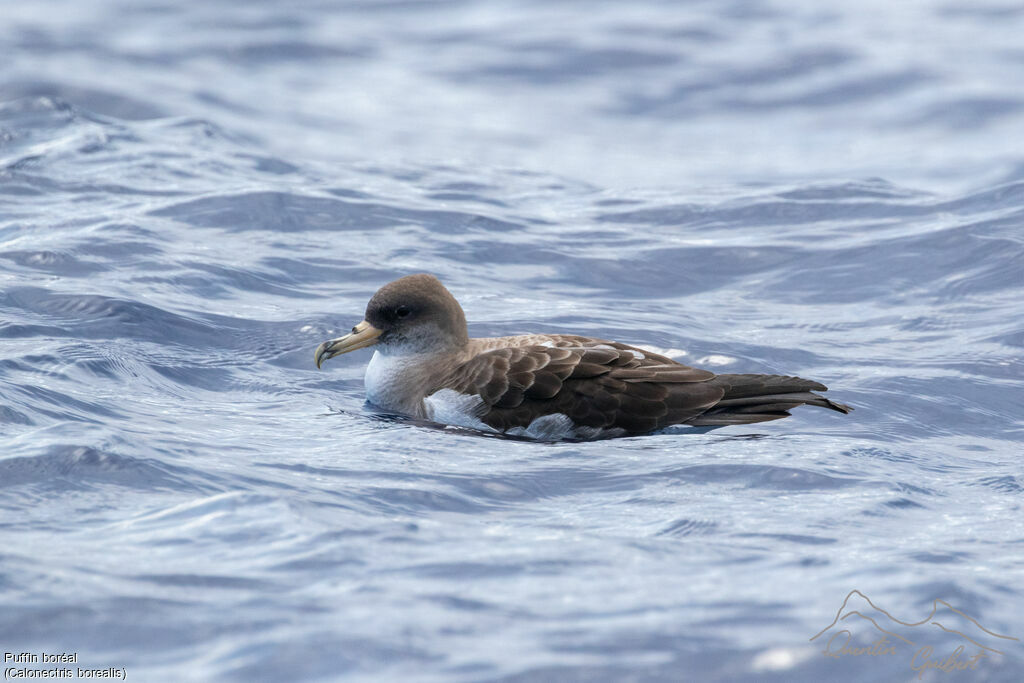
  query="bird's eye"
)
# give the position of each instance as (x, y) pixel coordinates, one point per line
(402, 312)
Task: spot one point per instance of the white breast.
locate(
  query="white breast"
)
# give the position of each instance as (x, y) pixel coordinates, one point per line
(387, 384)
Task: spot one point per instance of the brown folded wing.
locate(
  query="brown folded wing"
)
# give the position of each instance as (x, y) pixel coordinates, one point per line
(595, 383)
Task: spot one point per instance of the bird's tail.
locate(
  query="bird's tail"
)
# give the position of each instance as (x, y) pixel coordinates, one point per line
(759, 398)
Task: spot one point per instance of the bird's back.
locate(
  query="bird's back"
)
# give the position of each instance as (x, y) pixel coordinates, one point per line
(598, 387)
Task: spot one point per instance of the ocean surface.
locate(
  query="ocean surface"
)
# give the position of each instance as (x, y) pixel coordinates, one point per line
(193, 195)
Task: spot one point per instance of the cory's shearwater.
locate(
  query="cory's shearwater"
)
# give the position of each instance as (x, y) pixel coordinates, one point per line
(547, 386)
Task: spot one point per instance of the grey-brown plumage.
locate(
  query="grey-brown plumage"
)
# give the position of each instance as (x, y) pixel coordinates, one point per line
(508, 383)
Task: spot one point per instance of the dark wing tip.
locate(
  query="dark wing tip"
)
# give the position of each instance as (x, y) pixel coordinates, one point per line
(835, 405)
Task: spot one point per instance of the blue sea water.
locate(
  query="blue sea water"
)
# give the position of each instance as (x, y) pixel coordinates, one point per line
(193, 195)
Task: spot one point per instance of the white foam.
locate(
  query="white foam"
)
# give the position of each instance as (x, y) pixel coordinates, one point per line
(668, 353)
(715, 359)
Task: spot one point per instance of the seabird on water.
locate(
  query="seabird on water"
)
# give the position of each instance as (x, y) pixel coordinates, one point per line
(546, 386)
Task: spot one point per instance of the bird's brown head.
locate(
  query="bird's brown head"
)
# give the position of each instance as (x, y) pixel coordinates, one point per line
(414, 314)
